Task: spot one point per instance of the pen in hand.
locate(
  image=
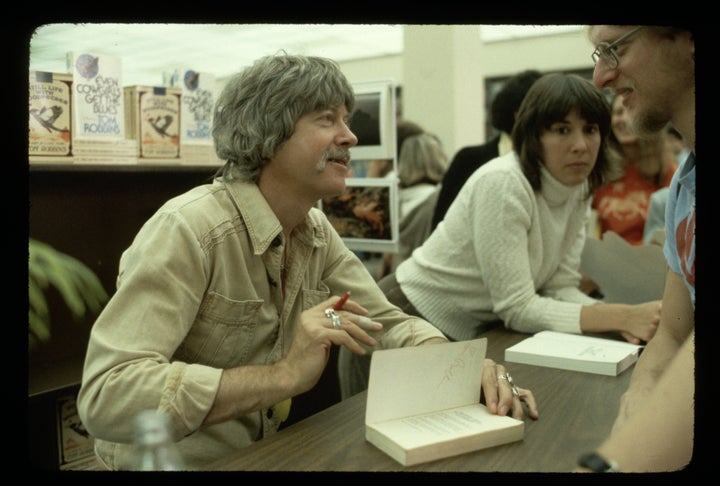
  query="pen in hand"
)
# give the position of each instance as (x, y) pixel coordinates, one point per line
(340, 303)
(364, 322)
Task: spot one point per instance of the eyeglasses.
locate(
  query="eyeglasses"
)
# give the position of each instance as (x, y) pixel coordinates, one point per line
(607, 52)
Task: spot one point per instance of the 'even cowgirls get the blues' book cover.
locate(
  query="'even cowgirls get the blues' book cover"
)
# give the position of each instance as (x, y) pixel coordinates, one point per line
(98, 104)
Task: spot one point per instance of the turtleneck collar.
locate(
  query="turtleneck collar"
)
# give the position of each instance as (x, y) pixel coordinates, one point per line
(555, 192)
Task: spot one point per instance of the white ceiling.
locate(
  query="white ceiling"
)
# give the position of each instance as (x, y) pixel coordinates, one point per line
(149, 50)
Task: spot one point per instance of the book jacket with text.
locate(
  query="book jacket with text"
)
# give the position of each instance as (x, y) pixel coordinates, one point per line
(49, 106)
(153, 118)
(98, 106)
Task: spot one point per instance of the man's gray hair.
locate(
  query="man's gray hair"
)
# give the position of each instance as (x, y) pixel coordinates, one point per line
(258, 108)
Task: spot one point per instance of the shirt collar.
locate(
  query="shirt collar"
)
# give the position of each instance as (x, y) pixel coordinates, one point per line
(260, 220)
(686, 173)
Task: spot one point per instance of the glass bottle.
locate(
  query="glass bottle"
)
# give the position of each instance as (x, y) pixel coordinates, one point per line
(154, 449)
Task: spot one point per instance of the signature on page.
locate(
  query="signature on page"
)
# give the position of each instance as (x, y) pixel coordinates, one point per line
(592, 351)
(458, 363)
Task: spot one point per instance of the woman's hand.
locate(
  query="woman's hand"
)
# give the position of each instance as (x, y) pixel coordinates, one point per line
(642, 322)
(502, 395)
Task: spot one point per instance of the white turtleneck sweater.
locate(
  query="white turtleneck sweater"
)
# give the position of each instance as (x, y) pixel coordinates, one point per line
(503, 252)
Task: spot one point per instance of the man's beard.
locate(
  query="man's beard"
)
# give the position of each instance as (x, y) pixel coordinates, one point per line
(648, 123)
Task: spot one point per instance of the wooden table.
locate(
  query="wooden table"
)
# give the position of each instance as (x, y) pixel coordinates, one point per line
(576, 413)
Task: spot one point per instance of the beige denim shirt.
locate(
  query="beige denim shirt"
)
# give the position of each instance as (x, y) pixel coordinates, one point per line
(198, 291)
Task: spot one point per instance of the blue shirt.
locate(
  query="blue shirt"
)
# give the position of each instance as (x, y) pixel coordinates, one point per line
(679, 248)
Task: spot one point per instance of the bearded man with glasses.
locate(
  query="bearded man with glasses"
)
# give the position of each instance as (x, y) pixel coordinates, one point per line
(653, 69)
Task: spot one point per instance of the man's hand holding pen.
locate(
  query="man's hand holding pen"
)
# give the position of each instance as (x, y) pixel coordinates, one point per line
(352, 318)
(318, 331)
(309, 352)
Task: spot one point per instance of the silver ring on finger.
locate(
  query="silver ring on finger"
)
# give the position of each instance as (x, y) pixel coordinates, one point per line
(333, 317)
(508, 378)
(515, 390)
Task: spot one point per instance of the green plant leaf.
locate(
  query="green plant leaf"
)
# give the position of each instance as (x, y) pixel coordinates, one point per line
(79, 287)
(39, 328)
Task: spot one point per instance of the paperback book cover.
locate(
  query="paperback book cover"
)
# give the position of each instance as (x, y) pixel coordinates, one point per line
(49, 105)
(98, 106)
(75, 444)
(423, 403)
(575, 353)
(153, 118)
(198, 100)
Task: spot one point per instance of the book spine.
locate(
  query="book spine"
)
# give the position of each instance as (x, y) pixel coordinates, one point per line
(560, 363)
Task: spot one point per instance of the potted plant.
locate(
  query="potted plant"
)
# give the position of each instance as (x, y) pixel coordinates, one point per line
(79, 287)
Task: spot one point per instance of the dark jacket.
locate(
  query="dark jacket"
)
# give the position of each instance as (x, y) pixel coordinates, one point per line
(465, 162)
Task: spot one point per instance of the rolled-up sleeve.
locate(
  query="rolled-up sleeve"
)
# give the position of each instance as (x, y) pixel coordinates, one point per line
(128, 365)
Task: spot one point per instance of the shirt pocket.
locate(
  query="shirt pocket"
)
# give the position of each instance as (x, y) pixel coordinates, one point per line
(223, 333)
(312, 297)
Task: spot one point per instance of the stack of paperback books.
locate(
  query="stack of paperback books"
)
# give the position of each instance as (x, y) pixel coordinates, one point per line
(86, 116)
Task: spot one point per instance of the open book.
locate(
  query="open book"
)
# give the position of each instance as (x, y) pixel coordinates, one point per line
(575, 353)
(423, 403)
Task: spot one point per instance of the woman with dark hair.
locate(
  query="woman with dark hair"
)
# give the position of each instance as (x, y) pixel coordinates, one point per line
(510, 246)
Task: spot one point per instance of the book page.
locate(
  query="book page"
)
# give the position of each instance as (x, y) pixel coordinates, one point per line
(443, 425)
(420, 379)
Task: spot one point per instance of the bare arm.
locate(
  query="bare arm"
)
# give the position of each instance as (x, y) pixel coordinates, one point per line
(659, 437)
(676, 323)
(635, 322)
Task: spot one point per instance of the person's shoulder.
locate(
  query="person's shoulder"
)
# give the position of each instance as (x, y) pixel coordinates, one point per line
(503, 167)
(506, 163)
(191, 198)
(199, 209)
(480, 152)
